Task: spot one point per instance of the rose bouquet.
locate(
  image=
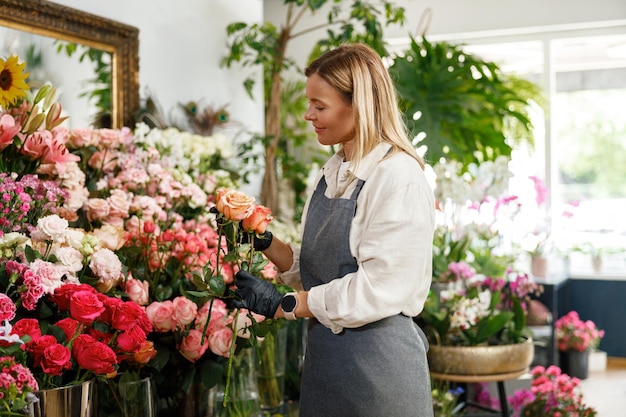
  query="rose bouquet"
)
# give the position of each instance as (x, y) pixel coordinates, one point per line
(552, 393)
(572, 333)
(87, 335)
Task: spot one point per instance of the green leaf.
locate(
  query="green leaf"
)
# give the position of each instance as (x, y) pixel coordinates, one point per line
(491, 325)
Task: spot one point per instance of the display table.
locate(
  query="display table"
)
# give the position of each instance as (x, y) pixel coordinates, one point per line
(498, 378)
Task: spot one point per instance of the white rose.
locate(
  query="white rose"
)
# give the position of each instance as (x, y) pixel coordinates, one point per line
(52, 228)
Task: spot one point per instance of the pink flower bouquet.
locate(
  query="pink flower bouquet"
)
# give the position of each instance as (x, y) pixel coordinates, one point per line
(552, 393)
(572, 333)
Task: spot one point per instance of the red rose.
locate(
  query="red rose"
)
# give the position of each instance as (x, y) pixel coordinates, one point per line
(85, 306)
(128, 315)
(131, 340)
(56, 358)
(99, 335)
(110, 304)
(27, 327)
(37, 347)
(93, 355)
(69, 326)
(62, 295)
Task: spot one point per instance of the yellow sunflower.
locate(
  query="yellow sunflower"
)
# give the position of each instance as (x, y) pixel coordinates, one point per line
(12, 81)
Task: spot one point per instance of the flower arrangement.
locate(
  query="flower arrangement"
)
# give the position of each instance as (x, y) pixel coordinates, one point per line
(16, 387)
(122, 213)
(552, 393)
(480, 309)
(241, 221)
(574, 334)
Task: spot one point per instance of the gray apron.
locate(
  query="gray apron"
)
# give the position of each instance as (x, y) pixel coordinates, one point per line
(377, 370)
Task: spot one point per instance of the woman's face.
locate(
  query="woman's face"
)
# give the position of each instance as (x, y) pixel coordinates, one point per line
(330, 114)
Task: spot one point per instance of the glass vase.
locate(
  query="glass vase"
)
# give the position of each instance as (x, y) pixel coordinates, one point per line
(270, 369)
(126, 398)
(242, 398)
(72, 401)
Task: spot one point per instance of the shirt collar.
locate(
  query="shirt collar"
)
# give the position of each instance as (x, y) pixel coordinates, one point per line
(367, 165)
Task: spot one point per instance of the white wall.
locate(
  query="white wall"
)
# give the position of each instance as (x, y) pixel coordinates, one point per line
(181, 44)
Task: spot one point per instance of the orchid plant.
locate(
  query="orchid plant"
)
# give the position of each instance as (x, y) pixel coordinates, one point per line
(480, 309)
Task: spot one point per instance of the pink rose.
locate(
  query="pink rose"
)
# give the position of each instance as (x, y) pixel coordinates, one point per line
(191, 346)
(217, 309)
(244, 322)
(119, 203)
(160, 315)
(233, 204)
(97, 209)
(185, 311)
(85, 306)
(82, 137)
(138, 291)
(220, 341)
(104, 161)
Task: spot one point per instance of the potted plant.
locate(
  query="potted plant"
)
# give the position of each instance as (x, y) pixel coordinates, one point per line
(461, 107)
(575, 339)
(551, 393)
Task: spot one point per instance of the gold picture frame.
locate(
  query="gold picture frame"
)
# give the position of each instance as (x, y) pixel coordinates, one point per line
(65, 23)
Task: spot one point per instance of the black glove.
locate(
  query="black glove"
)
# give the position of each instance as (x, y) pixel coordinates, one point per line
(256, 294)
(260, 242)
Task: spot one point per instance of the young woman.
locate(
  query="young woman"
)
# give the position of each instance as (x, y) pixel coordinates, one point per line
(363, 270)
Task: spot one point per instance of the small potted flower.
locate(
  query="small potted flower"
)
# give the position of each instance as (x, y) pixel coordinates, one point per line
(551, 393)
(575, 339)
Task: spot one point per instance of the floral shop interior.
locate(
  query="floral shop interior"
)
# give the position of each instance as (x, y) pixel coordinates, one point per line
(132, 133)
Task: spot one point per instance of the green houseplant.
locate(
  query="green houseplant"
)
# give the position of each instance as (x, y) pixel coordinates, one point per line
(465, 107)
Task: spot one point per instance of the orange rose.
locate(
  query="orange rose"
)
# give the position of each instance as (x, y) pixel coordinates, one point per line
(233, 204)
(144, 354)
(258, 220)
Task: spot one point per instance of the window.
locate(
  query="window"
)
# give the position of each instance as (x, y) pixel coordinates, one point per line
(580, 147)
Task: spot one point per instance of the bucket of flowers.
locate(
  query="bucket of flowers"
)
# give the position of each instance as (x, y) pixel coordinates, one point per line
(551, 393)
(575, 340)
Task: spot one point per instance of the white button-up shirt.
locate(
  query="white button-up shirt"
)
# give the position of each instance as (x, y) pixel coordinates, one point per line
(391, 239)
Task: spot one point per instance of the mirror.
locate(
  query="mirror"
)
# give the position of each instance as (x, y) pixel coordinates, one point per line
(64, 23)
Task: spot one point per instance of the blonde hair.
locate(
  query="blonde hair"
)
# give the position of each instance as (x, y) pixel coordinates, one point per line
(357, 72)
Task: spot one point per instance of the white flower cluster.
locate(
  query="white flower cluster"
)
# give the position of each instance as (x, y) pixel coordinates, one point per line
(188, 151)
(466, 312)
(487, 179)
